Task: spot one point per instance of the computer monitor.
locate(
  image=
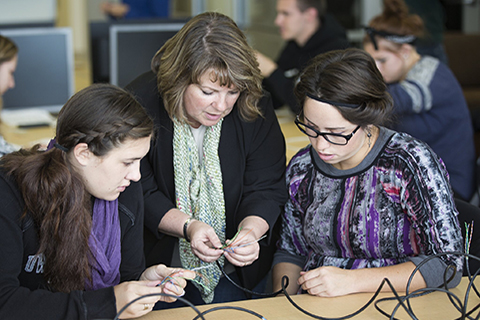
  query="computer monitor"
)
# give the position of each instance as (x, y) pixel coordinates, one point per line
(44, 77)
(100, 42)
(132, 48)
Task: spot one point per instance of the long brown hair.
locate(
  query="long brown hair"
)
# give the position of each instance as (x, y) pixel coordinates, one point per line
(102, 116)
(209, 41)
(347, 76)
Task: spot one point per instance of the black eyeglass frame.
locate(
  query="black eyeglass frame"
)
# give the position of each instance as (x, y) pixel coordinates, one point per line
(325, 135)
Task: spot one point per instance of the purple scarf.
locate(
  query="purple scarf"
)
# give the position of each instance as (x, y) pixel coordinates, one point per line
(104, 240)
(104, 243)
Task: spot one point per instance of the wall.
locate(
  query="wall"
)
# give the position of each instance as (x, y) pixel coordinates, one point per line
(27, 11)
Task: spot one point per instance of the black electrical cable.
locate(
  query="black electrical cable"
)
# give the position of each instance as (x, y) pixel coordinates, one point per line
(261, 294)
(188, 303)
(199, 314)
(284, 278)
(402, 301)
(232, 308)
(455, 300)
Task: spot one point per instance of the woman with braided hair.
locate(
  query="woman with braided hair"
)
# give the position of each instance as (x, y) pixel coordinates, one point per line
(70, 248)
(428, 100)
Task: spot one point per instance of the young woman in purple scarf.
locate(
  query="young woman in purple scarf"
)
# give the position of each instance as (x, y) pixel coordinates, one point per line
(70, 249)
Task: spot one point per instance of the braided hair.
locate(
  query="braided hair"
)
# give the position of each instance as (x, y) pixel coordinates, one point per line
(102, 116)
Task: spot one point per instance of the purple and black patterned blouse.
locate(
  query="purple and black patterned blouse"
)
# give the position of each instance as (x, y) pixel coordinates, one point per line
(395, 206)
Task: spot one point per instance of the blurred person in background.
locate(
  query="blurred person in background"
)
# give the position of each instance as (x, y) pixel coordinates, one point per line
(8, 64)
(428, 100)
(309, 30)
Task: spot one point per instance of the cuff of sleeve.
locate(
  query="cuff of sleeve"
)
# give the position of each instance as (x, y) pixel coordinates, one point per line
(284, 256)
(433, 271)
(100, 303)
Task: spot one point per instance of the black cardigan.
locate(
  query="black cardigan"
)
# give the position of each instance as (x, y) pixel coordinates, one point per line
(252, 159)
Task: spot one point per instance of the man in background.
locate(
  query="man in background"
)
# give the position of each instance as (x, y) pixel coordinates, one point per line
(309, 31)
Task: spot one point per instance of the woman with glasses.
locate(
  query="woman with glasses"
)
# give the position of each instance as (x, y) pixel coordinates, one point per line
(365, 202)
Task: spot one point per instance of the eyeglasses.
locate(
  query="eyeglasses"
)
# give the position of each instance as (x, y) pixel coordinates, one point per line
(333, 138)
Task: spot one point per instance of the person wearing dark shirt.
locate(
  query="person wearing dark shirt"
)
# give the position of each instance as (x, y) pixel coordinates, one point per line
(216, 173)
(309, 31)
(71, 246)
(429, 102)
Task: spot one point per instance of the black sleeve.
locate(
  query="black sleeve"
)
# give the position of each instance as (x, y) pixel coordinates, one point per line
(264, 189)
(130, 209)
(281, 88)
(23, 297)
(159, 160)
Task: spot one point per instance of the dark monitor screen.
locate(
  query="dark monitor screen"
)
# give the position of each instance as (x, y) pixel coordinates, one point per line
(132, 48)
(100, 42)
(22, 25)
(44, 77)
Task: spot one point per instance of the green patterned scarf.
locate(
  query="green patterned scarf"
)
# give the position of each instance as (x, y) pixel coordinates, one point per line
(199, 193)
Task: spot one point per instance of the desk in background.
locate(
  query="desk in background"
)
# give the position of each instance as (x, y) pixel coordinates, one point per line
(294, 139)
(431, 306)
(26, 138)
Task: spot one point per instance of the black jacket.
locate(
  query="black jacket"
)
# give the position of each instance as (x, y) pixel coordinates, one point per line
(252, 159)
(24, 294)
(293, 59)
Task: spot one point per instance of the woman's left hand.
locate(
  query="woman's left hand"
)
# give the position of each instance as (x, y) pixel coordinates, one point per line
(174, 285)
(244, 251)
(326, 281)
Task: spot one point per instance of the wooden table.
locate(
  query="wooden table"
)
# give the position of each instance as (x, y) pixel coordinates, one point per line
(27, 137)
(432, 306)
(294, 139)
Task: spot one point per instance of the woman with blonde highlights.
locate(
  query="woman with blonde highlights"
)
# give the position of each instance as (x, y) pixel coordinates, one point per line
(217, 166)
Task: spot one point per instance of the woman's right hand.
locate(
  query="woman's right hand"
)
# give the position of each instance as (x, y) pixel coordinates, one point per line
(204, 241)
(129, 291)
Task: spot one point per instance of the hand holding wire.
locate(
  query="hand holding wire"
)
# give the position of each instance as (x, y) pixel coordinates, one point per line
(204, 241)
(172, 280)
(243, 249)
